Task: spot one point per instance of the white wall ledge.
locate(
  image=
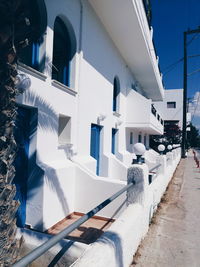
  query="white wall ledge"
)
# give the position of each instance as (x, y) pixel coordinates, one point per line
(63, 87)
(31, 71)
(116, 114)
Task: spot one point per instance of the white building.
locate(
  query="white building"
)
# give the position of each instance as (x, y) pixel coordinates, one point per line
(93, 76)
(171, 108)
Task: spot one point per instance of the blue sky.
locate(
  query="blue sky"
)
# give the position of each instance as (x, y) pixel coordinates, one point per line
(170, 18)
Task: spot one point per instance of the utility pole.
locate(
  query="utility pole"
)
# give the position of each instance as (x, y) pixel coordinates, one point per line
(183, 145)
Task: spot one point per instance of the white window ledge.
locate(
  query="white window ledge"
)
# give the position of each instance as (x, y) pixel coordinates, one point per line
(31, 71)
(63, 87)
(116, 114)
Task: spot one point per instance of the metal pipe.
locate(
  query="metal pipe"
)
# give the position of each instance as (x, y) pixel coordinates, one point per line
(155, 167)
(55, 239)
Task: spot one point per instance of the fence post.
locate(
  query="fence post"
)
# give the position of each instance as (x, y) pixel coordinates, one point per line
(138, 174)
(163, 161)
(169, 158)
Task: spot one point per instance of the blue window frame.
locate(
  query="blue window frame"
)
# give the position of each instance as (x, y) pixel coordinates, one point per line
(30, 56)
(113, 147)
(116, 91)
(35, 55)
(139, 138)
(131, 138)
(95, 144)
(64, 48)
(37, 14)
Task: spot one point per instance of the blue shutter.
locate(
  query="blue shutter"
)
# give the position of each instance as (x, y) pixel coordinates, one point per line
(35, 56)
(95, 144)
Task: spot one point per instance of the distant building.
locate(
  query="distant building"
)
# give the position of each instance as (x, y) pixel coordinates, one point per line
(171, 109)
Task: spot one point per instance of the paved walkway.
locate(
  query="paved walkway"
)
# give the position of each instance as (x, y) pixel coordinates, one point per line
(174, 236)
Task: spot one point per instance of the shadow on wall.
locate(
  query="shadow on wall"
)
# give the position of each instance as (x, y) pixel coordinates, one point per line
(53, 183)
(48, 118)
(61, 253)
(37, 172)
(35, 185)
(114, 241)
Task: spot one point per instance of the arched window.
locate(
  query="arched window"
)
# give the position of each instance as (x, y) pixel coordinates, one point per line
(64, 48)
(116, 91)
(30, 55)
(36, 15)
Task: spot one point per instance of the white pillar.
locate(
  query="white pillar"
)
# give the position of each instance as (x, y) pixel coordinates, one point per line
(163, 161)
(138, 174)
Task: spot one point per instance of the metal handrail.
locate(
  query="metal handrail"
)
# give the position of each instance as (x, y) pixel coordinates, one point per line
(55, 239)
(175, 147)
(155, 167)
(153, 110)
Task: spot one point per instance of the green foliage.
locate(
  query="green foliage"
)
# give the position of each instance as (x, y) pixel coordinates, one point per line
(193, 138)
(172, 135)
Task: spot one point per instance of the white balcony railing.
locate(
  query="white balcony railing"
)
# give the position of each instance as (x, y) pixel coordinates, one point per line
(141, 114)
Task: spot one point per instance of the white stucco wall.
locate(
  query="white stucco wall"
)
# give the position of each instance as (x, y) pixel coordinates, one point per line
(93, 68)
(100, 64)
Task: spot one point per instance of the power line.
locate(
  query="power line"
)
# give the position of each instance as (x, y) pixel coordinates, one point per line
(198, 55)
(172, 66)
(193, 38)
(195, 71)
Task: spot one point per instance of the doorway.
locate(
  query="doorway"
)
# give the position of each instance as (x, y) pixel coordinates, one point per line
(22, 133)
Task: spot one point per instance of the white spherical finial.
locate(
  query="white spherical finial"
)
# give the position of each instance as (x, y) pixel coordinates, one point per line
(23, 82)
(169, 147)
(139, 149)
(161, 148)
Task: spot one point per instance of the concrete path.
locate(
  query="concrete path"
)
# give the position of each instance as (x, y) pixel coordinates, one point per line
(173, 239)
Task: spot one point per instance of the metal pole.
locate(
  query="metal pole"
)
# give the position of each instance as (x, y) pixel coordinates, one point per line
(183, 145)
(55, 239)
(156, 167)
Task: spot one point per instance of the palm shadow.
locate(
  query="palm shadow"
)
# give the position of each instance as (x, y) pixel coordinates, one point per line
(113, 240)
(40, 174)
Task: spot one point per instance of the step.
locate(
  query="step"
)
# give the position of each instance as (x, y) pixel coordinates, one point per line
(88, 232)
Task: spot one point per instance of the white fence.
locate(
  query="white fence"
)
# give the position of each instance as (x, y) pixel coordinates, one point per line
(118, 244)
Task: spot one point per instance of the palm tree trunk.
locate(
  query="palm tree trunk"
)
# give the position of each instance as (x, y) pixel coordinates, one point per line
(17, 26)
(9, 246)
